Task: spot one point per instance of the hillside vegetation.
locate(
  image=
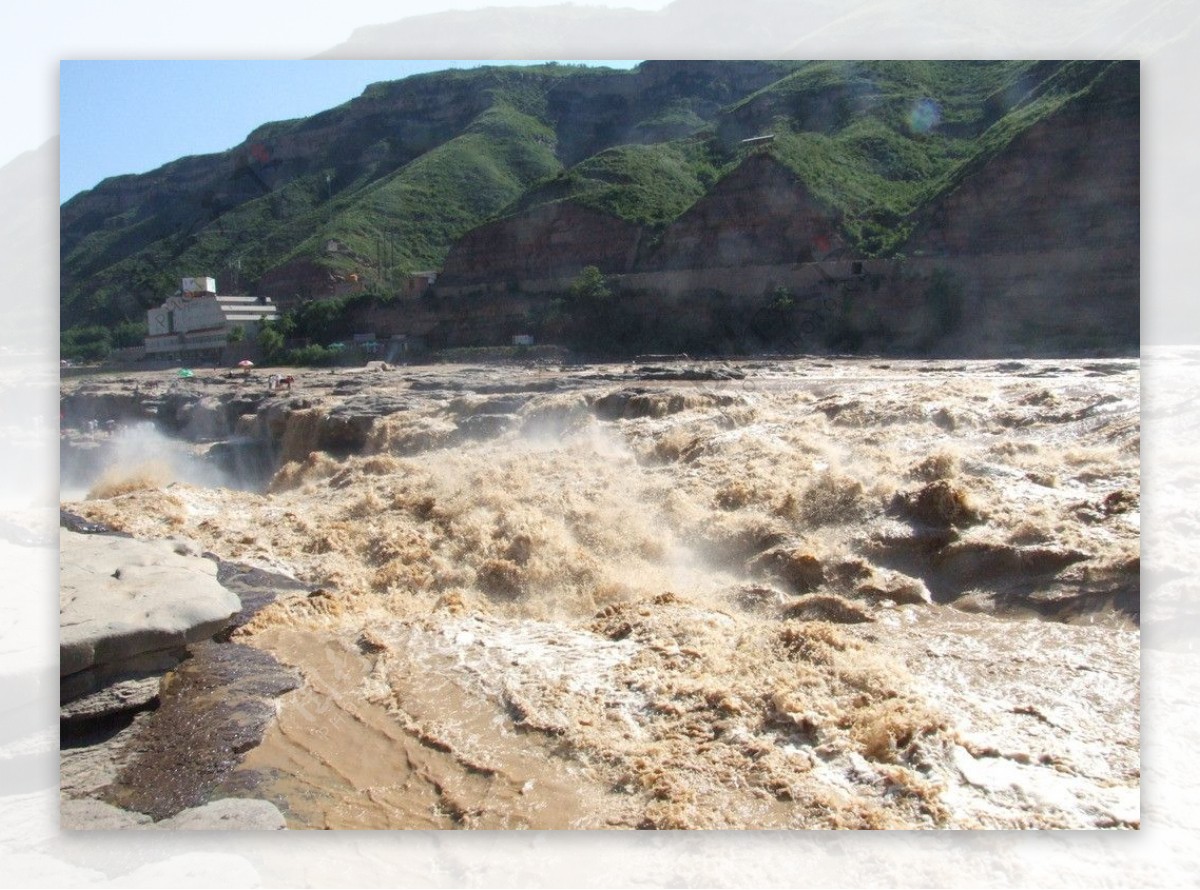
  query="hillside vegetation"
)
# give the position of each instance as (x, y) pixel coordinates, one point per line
(399, 174)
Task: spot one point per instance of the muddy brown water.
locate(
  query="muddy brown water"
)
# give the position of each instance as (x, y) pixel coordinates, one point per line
(845, 594)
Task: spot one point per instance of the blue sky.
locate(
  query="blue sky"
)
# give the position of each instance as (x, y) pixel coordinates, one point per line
(121, 117)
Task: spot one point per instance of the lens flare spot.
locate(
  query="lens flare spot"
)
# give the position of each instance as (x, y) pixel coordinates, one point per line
(925, 115)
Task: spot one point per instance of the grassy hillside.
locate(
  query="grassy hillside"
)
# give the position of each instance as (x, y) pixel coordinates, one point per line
(648, 184)
(396, 175)
(873, 141)
(400, 173)
(877, 141)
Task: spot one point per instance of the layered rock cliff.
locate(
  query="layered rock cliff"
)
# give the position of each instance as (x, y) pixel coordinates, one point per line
(1071, 179)
(902, 199)
(551, 241)
(416, 163)
(1033, 245)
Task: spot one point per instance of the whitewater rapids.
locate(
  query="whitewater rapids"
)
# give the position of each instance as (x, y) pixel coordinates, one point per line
(794, 594)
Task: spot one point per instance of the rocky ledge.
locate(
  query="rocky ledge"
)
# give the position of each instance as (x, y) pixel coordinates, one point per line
(127, 611)
(156, 706)
(227, 814)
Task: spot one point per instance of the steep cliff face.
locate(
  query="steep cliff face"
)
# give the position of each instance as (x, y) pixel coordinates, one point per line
(1031, 246)
(551, 241)
(1072, 179)
(1043, 237)
(297, 280)
(760, 214)
(757, 215)
(417, 161)
(1011, 186)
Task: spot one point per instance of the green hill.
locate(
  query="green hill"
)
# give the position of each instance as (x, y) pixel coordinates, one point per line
(399, 174)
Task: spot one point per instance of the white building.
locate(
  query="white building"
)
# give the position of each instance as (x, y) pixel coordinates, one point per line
(197, 319)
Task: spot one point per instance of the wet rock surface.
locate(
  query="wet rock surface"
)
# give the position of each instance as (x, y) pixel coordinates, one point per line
(128, 608)
(155, 764)
(126, 691)
(229, 814)
(125, 766)
(213, 709)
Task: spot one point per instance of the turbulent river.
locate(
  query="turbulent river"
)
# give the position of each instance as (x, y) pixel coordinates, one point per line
(766, 594)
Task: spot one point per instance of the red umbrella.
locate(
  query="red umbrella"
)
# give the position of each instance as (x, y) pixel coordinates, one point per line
(245, 363)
